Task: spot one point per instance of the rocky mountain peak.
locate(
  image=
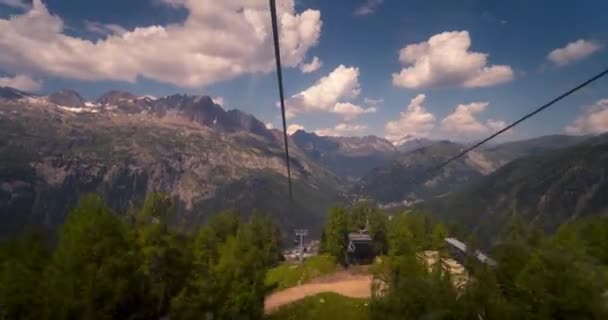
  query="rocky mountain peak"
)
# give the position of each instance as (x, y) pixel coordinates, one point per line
(413, 144)
(403, 140)
(311, 142)
(67, 98)
(114, 97)
(366, 144)
(11, 93)
(202, 110)
(199, 109)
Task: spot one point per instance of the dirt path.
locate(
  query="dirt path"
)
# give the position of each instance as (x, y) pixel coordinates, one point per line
(346, 284)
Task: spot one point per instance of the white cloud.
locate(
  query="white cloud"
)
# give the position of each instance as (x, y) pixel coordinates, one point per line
(21, 82)
(218, 41)
(292, 128)
(368, 7)
(342, 129)
(328, 94)
(351, 111)
(445, 60)
(312, 66)
(342, 83)
(104, 29)
(15, 4)
(218, 100)
(594, 120)
(373, 102)
(289, 114)
(463, 121)
(495, 125)
(269, 126)
(572, 52)
(416, 121)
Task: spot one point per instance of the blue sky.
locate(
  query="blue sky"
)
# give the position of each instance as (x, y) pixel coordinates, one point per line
(364, 36)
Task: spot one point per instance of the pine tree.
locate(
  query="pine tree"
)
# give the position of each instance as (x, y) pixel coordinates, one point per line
(336, 230)
(162, 255)
(91, 275)
(22, 265)
(378, 230)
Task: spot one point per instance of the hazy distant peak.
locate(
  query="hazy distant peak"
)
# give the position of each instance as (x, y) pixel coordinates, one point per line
(114, 97)
(67, 98)
(11, 93)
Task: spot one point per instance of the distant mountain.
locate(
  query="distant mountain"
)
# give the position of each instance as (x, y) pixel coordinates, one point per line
(405, 146)
(67, 98)
(508, 151)
(9, 93)
(115, 97)
(545, 190)
(412, 175)
(197, 109)
(348, 157)
(54, 149)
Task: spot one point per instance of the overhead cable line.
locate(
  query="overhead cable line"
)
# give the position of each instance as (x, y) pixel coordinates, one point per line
(277, 55)
(543, 107)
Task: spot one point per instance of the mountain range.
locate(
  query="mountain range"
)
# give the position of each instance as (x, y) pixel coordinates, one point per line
(545, 190)
(348, 157)
(413, 175)
(58, 147)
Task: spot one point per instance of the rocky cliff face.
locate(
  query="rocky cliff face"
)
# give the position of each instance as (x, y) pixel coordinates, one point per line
(124, 147)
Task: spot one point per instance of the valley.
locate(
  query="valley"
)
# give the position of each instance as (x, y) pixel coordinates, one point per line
(303, 160)
(59, 147)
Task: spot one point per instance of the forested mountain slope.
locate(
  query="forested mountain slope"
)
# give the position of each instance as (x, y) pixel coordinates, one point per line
(545, 190)
(412, 175)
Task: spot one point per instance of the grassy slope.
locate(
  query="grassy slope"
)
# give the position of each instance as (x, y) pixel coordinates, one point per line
(289, 275)
(322, 306)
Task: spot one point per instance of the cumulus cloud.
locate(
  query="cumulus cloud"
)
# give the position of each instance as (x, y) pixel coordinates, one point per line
(415, 121)
(445, 60)
(572, 52)
(594, 120)
(218, 41)
(373, 102)
(368, 7)
(21, 82)
(341, 83)
(342, 129)
(292, 128)
(463, 120)
(351, 111)
(218, 100)
(311, 66)
(15, 4)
